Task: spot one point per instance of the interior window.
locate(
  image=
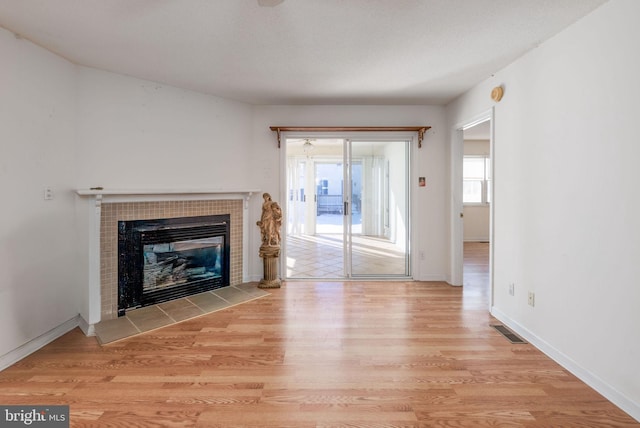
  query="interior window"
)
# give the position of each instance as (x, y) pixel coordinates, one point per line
(476, 179)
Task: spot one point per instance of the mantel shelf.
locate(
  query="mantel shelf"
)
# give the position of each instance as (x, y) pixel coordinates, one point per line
(148, 195)
(140, 192)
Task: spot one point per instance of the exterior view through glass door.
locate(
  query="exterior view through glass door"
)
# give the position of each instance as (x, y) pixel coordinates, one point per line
(347, 209)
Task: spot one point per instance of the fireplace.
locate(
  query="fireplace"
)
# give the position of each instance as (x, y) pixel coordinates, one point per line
(165, 259)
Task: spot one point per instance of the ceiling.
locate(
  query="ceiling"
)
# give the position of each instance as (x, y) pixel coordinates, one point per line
(300, 51)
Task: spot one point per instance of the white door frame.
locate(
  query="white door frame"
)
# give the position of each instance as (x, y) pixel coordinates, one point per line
(457, 225)
(409, 136)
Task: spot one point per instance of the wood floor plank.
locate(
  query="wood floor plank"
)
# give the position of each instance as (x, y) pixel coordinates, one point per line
(318, 354)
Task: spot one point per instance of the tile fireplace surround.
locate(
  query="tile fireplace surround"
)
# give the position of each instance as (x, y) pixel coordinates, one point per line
(111, 206)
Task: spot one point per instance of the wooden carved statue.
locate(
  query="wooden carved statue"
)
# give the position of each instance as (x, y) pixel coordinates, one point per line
(269, 224)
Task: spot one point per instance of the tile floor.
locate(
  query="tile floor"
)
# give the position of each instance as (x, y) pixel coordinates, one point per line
(321, 256)
(151, 317)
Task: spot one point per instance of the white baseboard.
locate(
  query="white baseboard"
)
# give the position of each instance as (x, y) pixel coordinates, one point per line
(609, 392)
(449, 280)
(87, 329)
(476, 239)
(33, 345)
(432, 277)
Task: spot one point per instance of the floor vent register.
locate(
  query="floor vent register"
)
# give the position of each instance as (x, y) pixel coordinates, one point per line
(511, 336)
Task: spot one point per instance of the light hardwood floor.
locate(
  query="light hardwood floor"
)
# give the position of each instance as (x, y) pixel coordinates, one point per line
(316, 354)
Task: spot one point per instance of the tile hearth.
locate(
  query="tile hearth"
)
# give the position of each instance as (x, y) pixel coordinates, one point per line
(152, 317)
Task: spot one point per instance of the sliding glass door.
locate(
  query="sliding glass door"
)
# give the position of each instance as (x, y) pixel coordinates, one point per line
(347, 211)
(379, 215)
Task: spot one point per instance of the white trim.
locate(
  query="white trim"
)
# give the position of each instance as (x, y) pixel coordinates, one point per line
(410, 137)
(33, 345)
(245, 242)
(94, 292)
(128, 192)
(477, 239)
(415, 265)
(491, 196)
(282, 184)
(477, 120)
(87, 329)
(437, 277)
(98, 197)
(163, 195)
(591, 379)
(476, 204)
(456, 205)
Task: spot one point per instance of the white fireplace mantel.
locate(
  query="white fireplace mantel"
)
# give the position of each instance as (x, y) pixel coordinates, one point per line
(98, 196)
(146, 195)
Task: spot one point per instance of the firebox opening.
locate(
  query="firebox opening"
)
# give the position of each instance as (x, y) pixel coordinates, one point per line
(165, 259)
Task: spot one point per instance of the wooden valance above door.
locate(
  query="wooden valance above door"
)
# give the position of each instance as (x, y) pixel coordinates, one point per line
(419, 129)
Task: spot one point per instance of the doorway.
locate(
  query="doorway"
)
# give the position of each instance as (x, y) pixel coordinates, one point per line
(347, 210)
(476, 200)
(472, 199)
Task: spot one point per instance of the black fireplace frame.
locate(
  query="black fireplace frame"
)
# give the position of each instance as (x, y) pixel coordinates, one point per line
(134, 234)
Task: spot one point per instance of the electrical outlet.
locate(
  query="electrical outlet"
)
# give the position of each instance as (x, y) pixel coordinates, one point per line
(512, 290)
(48, 193)
(532, 298)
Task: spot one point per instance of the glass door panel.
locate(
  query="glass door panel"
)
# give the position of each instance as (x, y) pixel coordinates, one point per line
(329, 233)
(379, 239)
(347, 209)
(314, 241)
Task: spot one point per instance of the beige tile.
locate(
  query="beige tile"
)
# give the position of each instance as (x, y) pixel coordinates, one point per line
(181, 309)
(252, 289)
(175, 304)
(232, 295)
(152, 317)
(320, 256)
(208, 301)
(182, 314)
(149, 318)
(115, 329)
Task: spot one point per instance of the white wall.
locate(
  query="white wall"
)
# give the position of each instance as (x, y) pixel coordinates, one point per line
(476, 223)
(134, 133)
(137, 134)
(565, 156)
(38, 283)
(429, 235)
